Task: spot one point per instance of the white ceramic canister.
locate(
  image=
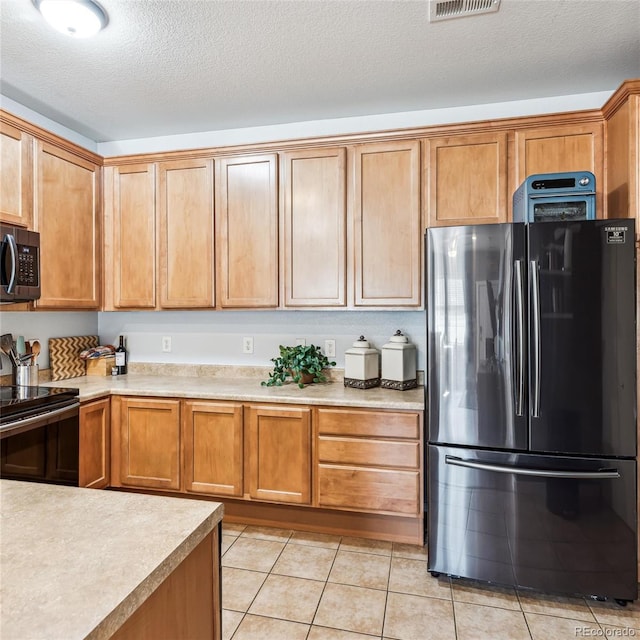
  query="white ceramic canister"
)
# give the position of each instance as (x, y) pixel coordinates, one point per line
(361, 365)
(399, 363)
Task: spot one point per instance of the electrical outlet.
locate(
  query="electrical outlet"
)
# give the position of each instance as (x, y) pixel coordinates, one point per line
(247, 345)
(166, 344)
(330, 348)
(301, 342)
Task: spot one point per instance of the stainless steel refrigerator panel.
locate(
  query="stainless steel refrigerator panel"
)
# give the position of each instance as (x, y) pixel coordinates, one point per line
(552, 523)
(476, 326)
(582, 318)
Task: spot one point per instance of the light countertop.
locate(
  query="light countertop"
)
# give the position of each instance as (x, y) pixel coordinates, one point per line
(75, 563)
(242, 389)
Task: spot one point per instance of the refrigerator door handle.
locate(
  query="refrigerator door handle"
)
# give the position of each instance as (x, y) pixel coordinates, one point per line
(535, 333)
(540, 473)
(520, 359)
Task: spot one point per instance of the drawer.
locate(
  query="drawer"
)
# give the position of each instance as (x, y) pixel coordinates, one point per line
(375, 453)
(381, 424)
(379, 490)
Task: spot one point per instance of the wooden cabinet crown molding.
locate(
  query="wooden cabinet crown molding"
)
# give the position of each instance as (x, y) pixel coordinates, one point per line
(463, 128)
(387, 135)
(619, 97)
(46, 136)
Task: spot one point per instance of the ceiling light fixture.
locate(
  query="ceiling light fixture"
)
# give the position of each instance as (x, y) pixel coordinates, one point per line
(76, 18)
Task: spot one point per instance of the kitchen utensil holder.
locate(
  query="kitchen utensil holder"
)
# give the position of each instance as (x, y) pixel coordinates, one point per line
(26, 375)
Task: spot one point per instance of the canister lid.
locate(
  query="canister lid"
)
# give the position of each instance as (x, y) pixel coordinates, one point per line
(398, 341)
(361, 346)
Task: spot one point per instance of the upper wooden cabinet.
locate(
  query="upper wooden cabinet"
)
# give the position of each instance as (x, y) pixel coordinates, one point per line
(279, 452)
(185, 207)
(559, 148)
(16, 176)
(67, 215)
(247, 231)
(314, 218)
(466, 179)
(387, 225)
(622, 135)
(130, 235)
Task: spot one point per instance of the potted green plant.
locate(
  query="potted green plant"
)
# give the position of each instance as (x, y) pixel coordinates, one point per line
(303, 363)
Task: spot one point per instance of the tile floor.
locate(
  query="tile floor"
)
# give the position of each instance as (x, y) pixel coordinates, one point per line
(289, 585)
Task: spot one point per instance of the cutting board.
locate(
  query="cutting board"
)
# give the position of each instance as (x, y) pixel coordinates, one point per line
(64, 356)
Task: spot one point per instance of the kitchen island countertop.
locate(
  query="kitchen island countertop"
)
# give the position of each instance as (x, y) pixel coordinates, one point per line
(76, 563)
(242, 389)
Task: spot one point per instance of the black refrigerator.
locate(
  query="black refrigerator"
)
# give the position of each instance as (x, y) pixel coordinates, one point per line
(531, 397)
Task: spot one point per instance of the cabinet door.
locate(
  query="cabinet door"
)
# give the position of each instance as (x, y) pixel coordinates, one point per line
(150, 443)
(314, 225)
(247, 231)
(185, 204)
(134, 236)
(561, 148)
(279, 453)
(66, 215)
(387, 224)
(95, 444)
(623, 161)
(213, 447)
(466, 179)
(16, 185)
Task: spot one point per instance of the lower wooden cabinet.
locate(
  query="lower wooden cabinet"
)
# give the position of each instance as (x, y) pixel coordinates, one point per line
(213, 447)
(364, 461)
(369, 461)
(279, 452)
(147, 443)
(95, 444)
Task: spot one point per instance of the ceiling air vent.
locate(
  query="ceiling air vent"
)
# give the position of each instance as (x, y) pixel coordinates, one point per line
(446, 9)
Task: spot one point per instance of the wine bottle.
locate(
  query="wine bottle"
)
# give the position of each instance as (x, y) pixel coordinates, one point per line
(121, 357)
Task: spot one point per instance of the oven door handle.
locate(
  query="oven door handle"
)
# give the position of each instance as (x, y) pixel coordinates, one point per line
(42, 419)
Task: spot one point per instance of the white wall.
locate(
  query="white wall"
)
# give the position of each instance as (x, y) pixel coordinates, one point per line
(44, 325)
(215, 337)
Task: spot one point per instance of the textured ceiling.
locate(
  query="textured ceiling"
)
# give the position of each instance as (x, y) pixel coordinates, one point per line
(166, 67)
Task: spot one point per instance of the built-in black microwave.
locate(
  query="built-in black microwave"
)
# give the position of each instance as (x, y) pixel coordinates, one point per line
(19, 264)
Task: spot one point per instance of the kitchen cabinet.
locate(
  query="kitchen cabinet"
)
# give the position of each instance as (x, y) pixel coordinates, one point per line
(130, 235)
(314, 218)
(146, 450)
(279, 453)
(387, 224)
(622, 135)
(247, 231)
(466, 179)
(559, 148)
(95, 444)
(67, 216)
(213, 447)
(185, 207)
(368, 461)
(16, 177)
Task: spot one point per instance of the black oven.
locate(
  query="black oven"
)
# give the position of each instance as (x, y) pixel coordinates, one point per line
(39, 434)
